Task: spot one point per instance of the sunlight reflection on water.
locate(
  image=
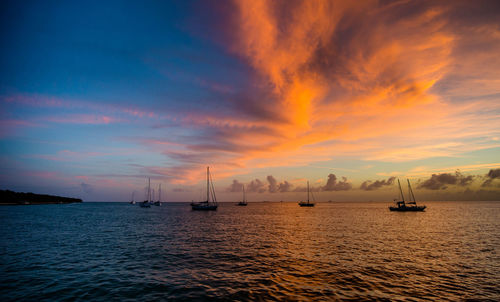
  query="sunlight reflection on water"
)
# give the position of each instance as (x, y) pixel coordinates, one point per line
(263, 251)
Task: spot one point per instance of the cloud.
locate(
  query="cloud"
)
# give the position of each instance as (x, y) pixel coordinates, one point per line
(88, 119)
(494, 173)
(311, 189)
(257, 186)
(45, 101)
(68, 155)
(273, 184)
(480, 194)
(491, 176)
(442, 180)
(83, 177)
(333, 185)
(11, 126)
(43, 174)
(86, 188)
(285, 186)
(346, 78)
(236, 186)
(281, 187)
(369, 186)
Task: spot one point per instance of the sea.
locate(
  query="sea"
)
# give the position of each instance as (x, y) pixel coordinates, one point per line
(267, 251)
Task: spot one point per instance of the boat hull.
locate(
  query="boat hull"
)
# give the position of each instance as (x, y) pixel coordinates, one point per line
(203, 207)
(145, 204)
(407, 209)
(242, 204)
(304, 204)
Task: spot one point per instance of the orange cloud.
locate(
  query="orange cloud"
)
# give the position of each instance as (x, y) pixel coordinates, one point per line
(321, 90)
(366, 79)
(338, 76)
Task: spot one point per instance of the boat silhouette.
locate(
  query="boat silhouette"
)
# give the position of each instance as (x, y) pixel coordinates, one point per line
(147, 203)
(244, 201)
(158, 202)
(207, 205)
(307, 203)
(402, 205)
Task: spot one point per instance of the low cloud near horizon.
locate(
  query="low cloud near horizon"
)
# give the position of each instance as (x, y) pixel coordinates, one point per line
(440, 181)
(443, 180)
(493, 174)
(369, 185)
(273, 186)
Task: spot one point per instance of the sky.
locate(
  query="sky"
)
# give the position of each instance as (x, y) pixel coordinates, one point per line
(98, 96)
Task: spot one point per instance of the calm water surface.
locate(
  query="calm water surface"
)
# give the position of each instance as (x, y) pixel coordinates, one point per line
(265, 251)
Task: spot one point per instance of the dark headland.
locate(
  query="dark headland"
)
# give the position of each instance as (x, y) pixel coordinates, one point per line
(8, 197)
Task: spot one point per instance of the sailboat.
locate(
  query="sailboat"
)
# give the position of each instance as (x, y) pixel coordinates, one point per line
(403, 206)
(132, 201)
(146, 203)
(244, 201)
(158, 202)
(308, 203)
(207, 205)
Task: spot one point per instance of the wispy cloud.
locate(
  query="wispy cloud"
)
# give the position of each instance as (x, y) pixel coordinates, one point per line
(12, 126)
(99, 113)
(67, 155)
(88, 119)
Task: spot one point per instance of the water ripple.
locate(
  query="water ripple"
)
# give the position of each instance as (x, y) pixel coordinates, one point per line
(263, 252)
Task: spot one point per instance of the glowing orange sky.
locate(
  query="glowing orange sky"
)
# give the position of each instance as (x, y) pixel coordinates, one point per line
(296, 90)
(349, 72)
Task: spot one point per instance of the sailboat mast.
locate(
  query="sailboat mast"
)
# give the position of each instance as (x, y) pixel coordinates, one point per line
(149, 189)
(411, 191)
(244, 198)
(307, 191)
(214, 198)
(208, 186)
(159, 193)
(401, 191)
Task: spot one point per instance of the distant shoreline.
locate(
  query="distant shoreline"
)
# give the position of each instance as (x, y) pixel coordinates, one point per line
(8, 197)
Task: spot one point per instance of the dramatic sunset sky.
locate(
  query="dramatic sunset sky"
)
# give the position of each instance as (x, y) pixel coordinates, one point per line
(95, 97)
